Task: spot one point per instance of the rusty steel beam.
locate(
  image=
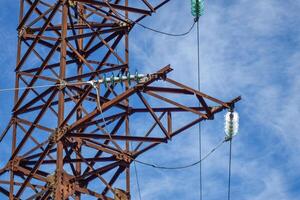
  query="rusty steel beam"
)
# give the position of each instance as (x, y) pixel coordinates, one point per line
(116, 6)
(117, 137)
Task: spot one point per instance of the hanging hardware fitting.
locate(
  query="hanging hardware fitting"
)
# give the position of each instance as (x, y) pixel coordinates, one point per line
(231, 124)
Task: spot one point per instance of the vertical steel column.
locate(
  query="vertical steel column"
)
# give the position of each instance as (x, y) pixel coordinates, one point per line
(81, 11)
(127, 102)
(61, 102)
(16, 96)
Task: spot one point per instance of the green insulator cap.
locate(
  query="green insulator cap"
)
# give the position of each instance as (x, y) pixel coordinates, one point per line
(112, 79)
(128, 78)
(197, 8)
(121, 81)
(137, 76)
(104, 79)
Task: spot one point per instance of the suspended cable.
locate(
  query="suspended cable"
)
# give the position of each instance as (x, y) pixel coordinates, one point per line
(134, 163)
(97, 88)
(199, 89)
(231, 129)
(42, 86)
(229, 168)
(184, 166)
(165, 33)
(197, 10)
(159, 31)
(137, 178)
(113, 79)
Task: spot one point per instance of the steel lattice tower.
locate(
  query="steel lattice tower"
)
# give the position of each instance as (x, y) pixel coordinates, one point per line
(63, 144)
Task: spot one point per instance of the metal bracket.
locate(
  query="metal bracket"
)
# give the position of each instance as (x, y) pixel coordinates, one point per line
(13, 164)
(127, 24)
(144, 79)
(62, 84)
(66, 188)
(72, 3)
(93, 83)
(22, 31)
(58, 134)
(121, 194)
(13, 120)
(228, 138)
(124, 157)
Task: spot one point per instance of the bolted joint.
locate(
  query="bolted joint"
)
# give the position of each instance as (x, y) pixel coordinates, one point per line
(125, 23)
(144, 79)
(72, 3)
(121, 194)
(157, 76)
(59, 184)
(124, 157)
(162, 74)
(22, 32)
(122, 24)
(61, 85)
(58, 134)
(51, 182)
(13, 164)
(13, 120)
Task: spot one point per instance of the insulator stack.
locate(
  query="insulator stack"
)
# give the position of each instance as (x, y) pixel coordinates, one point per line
(112, 80)
(231, 124)
(197, 8)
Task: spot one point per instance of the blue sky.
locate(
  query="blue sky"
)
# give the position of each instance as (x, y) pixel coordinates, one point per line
(248, 48)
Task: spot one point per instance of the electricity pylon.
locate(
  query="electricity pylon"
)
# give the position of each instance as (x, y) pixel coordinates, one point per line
(72, 135)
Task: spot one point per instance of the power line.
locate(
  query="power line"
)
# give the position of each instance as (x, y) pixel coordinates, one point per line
(165, 33)
(135, 167)
(113, 79)
(199, 88)
(184, 166)
(42, 86)
(137, 180)
(158, 31)
(229, 168)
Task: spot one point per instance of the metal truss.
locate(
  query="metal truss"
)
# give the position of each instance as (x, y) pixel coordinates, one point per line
(63, 144)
